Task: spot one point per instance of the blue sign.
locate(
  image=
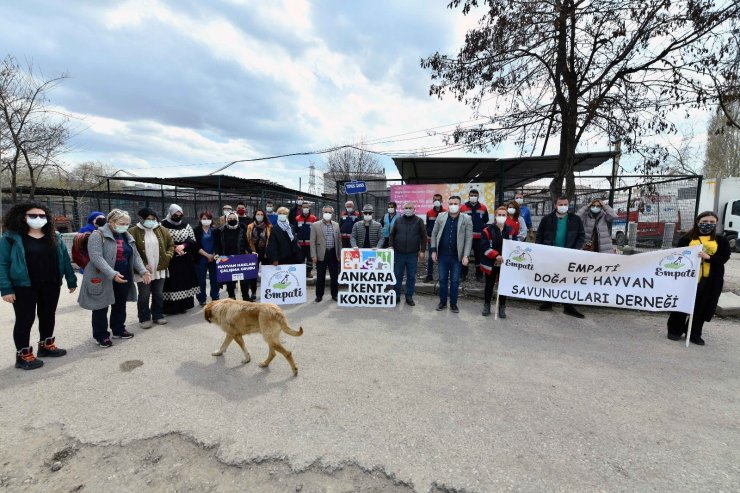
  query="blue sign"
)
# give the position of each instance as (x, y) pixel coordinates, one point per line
(355, 186)
(237, 267)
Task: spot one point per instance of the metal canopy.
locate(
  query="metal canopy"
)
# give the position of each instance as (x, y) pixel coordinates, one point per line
(508, 173)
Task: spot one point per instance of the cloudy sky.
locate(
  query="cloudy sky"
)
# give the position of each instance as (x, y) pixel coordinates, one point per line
(176, 87)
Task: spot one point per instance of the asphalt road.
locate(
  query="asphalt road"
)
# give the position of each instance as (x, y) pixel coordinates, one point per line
(536, 402)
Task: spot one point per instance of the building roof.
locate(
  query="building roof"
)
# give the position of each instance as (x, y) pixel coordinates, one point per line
(507, 172)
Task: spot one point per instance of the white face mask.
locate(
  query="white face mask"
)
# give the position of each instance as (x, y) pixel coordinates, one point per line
(327, 216)
(391, 210)
(150, 223)
(511, 211)
(437, 203)
(473, 199)
(227, 212)
(122, 228)
(259, 218)
(500, 219)
(368, 217)
(282, 217)
(408, 212)
(350, 210)
(454, 208)
(206, 222)
(37, 223)
(519, 200)
(562, 209)
(305, 211)
(595, 209)
(268, 208)
(299, 202)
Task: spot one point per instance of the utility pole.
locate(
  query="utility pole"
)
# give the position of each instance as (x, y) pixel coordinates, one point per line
(312, 179)
(615, 169)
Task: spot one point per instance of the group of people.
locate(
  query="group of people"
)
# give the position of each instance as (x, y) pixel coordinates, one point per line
(164, 265)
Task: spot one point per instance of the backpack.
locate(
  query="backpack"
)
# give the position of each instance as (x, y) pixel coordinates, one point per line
(79, 250)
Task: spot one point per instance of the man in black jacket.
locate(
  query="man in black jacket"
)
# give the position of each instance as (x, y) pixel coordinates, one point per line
(564, 230)
(408, 239)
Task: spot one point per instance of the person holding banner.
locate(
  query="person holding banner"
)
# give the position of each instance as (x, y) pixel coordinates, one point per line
(515, 222)
(282, 248)
(347, 222)
(208, 244)
(233, 242)
(387, 222)
(491, 245)
(408, 240)
(564, 230)
(595, 216)
(452, 240)
(156, 249)
(431, 217)
(478, 213)
(258, 234)
(367, 233)
(715, 253)
(326, 249)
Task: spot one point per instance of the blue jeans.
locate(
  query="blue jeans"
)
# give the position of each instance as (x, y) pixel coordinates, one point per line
(117, 314)
(204, 267)
(430, 265)
(449, 269)
(407, 262)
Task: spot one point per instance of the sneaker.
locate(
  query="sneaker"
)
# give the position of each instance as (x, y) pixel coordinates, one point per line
(410, 302)
(47, 349)
(569, 310)
(454, 309)
(123, 335)
(441, 307)
(146, 324)
(161, 321)
(105, 342)
(697, 340)
(25, 360)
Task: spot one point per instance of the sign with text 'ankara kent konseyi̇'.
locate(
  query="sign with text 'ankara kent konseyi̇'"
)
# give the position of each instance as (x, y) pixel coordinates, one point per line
(664, 280)
(367, 273)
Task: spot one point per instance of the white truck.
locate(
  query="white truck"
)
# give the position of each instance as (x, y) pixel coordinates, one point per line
(722, 195)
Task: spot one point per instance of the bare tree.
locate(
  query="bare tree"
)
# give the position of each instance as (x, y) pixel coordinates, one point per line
(723, 143)
(351, 163)
(575, 68)
(32, 135)
(683, 156)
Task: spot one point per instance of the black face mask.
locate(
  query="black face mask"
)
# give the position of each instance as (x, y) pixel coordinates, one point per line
(706, 228)
(176, 219)
(100, 222)
(233, 222)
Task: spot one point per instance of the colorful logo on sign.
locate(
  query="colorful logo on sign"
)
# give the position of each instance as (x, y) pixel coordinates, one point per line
(676, 265)
(367, 260)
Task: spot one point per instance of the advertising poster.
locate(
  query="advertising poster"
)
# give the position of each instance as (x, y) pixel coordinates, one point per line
(422, 195)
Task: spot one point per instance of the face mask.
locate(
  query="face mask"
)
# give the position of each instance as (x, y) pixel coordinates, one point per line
(473, 199)
(500, 219)
(368, 217)
(706, 228)
(100, 222)
(519, 201)
(122, 228)
(437, 203)
(350, 210)
(233, 222)
(511, 211)
(408, 212)
(227, 212)
(269, 209)
(241, 212)
(562, 209)
(150, 224)
(327, 216)
(176, 219)
(391, 210)
(305, 211)
(454, 208)
(206, 222)
(299, 202)
(37, 223)
(282, 218)
(595, 209)
(259, 218)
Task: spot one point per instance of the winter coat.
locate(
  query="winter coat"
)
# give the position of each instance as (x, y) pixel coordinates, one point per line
(490, 245)
(280, 248)
(358, 235)
(96, 291)
(166, 245)
(408, 235)
(714, 283)
(347, 223)
(600, 220)
(233, 241)
(13, 268)
(547, 231)
(464, 234)
(90, 226)
(478, 213)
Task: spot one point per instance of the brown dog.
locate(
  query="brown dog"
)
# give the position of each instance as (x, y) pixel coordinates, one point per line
(238, 318)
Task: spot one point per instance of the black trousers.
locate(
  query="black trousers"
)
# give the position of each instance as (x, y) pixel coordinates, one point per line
(330, 261)
(41, 299)
(488, 290)
(678, 323)
(243, 287)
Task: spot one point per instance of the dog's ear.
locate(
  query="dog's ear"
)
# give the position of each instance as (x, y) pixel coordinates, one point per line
(207, 313)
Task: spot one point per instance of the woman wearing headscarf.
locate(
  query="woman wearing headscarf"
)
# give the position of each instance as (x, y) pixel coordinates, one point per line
(233, 242)
(182, 285)
(258, 234)
(283, 246)
(156, 248)
(595, 216)
(714, 255)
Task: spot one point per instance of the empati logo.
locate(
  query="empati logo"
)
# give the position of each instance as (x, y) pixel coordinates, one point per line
(520, 258)
(283, 285)
(676, 265)
(283, 279)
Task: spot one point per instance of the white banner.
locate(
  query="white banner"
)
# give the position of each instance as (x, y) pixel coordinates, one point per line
(367, 273)
(664, 280)
(283, 284)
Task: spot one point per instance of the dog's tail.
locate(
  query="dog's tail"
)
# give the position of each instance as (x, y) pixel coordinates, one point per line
(286, 328)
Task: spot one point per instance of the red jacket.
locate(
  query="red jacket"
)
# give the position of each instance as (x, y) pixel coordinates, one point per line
(513, 224)
(478, 213)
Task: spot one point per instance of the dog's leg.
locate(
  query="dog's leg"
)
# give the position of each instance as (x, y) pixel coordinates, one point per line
(220, 351)
(240, 341)
(279, 348)
(270, 356)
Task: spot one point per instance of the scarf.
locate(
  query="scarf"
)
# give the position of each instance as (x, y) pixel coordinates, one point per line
(710, 248)
(285, 226)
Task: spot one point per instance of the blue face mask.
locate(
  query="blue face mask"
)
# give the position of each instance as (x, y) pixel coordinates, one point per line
(595, 209)
(150, 224)
(121, 229)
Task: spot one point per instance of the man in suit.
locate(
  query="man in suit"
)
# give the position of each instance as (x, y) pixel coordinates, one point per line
(452, 242)
(326, 247)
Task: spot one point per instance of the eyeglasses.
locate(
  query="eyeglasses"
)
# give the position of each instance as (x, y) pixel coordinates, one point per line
(36, 216)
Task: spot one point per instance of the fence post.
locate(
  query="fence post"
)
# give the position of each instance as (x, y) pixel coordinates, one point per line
(627, 220)
(110, 207)
(699, 181)
(161, 188)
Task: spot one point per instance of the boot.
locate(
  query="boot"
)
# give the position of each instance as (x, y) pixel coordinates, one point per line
(25, 359)
(502, 311)
(47, 349)
(486, 309)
